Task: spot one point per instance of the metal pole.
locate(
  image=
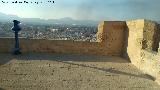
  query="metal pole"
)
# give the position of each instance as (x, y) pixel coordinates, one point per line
(16, 28)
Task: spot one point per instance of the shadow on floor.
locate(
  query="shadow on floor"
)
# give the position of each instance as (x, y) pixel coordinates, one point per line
(112, 70)
(4, 58)
(2, 89)
(65, 58)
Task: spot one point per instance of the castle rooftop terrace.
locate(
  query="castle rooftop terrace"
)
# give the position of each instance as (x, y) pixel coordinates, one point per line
(42, 71)
(125, 56)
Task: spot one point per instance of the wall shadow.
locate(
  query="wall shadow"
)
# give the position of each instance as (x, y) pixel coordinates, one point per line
(111, 70)
(5, 58)
(68, 58)
(2, 89)
(156, 38)
(125, 54)
(71, 57)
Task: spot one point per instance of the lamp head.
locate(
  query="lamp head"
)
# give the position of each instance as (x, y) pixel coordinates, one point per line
(16, 21)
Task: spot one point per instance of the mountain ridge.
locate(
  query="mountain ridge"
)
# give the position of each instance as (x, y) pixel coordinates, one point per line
(65, 20)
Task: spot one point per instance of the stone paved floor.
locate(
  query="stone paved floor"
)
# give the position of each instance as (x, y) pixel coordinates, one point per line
(71, 72)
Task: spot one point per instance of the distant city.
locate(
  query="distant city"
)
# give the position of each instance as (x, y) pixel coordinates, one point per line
(54, 31)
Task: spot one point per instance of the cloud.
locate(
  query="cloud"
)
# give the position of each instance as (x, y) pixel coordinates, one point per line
(90, 9)
(87, 9)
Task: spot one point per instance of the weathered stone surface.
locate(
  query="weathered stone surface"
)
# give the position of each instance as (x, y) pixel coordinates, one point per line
(134, 41)
(42, 71)
(111, 35)
(142, 46)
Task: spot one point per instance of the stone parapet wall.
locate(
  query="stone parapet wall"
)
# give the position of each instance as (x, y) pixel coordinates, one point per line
(111, 35)
(112, 43)
(134, 40)
(56, 46)
(51, 46)
(150, 62)
(142, 46)
(151, 35)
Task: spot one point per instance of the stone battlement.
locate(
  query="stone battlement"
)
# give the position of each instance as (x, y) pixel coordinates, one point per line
(136, 40)
(110, 42)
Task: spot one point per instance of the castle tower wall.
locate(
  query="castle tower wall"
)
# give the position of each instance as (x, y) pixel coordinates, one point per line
(111, 35)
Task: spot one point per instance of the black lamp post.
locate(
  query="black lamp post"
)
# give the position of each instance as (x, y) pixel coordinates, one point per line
(16, 28)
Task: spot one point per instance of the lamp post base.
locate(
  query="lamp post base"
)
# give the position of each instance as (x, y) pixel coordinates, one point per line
(16, 51)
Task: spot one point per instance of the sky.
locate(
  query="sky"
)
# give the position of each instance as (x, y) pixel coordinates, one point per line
(85, 9)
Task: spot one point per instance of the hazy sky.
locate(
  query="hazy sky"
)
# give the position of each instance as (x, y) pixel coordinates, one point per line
(86, 9)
